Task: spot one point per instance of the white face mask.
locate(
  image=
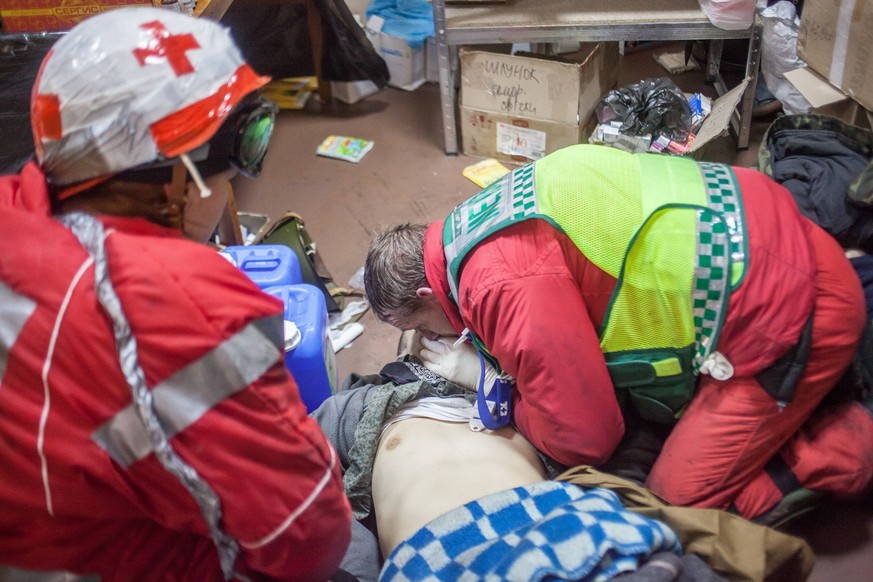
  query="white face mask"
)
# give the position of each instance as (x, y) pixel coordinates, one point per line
(202, 214)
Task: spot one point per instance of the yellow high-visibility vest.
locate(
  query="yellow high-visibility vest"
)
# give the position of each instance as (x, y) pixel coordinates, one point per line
(669, 229)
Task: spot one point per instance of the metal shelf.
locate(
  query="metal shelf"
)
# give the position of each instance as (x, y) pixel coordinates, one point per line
(549, 21)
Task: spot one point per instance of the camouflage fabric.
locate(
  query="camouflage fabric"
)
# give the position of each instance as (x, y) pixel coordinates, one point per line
(861, 189)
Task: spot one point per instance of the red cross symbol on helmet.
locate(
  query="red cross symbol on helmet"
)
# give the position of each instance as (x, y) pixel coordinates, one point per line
(163, 45)
(132, 85)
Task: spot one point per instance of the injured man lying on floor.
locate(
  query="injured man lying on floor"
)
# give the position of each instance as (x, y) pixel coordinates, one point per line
(438, 496)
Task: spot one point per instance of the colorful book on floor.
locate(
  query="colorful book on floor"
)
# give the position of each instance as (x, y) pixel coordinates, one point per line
(486, 172)
(342, 147)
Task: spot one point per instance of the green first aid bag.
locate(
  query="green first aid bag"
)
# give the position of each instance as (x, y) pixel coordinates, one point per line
(289, 230)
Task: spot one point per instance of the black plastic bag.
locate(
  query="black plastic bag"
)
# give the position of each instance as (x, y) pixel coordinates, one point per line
(20, 58)
(275, 40)
(653, 107)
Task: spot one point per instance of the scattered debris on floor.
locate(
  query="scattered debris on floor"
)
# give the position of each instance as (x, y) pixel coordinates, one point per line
(344, 326)
(675, 63)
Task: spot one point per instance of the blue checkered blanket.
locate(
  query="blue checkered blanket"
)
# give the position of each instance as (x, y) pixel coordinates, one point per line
(548, 530)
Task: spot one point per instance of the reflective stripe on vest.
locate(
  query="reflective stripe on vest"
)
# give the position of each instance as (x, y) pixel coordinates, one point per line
(15, 310)
(92, 237)
(626, 213)
(191, 392)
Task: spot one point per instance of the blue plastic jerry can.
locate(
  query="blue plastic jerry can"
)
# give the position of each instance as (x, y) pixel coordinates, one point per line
(266, 265)
(309, 355)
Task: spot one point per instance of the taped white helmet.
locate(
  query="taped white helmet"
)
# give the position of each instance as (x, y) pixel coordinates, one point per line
(130, 87)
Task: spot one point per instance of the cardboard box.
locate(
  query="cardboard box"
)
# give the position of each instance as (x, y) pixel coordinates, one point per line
(517, 109)
(834, 39)
(352, 91)
(827, 100)
(406, 65)
(718, 121)
(53, 15)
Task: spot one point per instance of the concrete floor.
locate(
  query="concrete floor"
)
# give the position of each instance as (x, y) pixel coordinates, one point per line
(407, 177)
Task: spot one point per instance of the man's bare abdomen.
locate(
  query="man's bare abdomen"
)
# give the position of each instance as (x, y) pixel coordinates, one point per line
(426, 467)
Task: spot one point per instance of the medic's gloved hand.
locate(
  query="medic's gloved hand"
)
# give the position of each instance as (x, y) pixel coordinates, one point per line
(459, 365)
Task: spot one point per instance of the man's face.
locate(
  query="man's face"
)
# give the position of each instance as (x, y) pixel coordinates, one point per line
(430, 320)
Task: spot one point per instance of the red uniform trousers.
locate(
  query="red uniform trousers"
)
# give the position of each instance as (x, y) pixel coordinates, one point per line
(715, 455)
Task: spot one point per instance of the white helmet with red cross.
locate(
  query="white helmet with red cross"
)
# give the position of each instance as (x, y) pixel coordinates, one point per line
(131, 86)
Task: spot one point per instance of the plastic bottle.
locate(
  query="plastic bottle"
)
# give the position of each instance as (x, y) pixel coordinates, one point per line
(309, 354)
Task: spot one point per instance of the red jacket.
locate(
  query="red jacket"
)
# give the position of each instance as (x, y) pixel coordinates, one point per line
(79, 492)
(536, 302)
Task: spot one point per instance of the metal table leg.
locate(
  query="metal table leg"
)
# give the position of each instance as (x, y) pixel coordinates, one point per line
(753, 65)
(447, 81)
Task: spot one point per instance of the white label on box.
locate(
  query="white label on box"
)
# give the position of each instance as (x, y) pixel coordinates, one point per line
(520, 141)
